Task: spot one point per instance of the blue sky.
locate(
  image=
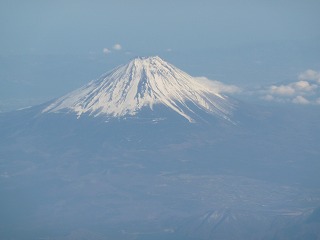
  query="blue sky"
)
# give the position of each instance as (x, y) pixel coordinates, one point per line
(48, 48)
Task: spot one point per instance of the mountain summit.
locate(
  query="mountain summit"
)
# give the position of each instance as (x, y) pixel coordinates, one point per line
(144, 83)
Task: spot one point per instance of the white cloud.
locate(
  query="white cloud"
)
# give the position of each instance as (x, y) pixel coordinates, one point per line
(300, 100)
(304, 86)
(306, 90)
(268, 97)
(106, 51)
(310, 75)
(299, 87)
(282, 90)
(117, 46)
(219, 87)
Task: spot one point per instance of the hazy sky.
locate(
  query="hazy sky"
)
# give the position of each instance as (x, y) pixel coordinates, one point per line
(151, 26)
(51, 47)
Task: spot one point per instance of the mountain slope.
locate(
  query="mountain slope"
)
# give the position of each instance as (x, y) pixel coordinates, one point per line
(140, 177)
(144, 82)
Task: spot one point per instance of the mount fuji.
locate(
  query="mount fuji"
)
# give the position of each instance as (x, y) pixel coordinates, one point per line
(143, 83)
(149, 152)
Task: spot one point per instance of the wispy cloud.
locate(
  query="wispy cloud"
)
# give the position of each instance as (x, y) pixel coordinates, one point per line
(117, 46)
(106, 51)
(310, 75)
(300, 100)
(219, 86)
(285, 90)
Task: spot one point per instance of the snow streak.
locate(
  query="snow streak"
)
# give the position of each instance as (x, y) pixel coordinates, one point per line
(143, 82)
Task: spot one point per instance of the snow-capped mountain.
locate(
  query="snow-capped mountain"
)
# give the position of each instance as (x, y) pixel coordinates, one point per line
(65, 178)
(143, 83)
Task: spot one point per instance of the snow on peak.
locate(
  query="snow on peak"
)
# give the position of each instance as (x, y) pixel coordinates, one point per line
(143, 82)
